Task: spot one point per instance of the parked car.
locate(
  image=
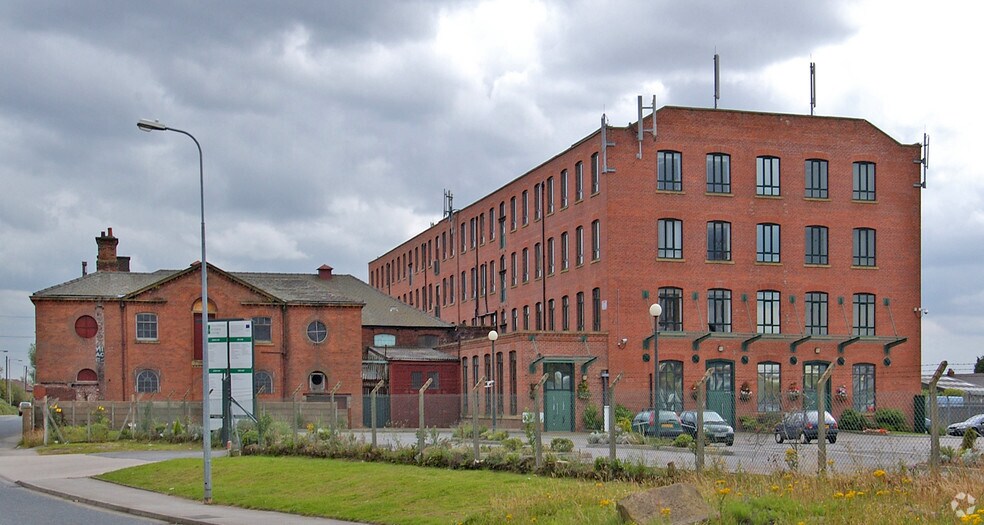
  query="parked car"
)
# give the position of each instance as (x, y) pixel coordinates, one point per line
(645, 423)
(716, 429)
(959, 429)
(803, 426)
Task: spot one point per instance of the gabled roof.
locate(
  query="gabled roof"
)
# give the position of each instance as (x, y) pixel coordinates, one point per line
(397, 353)
(378, 309)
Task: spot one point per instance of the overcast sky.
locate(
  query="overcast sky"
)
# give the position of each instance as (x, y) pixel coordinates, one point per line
(331, 129)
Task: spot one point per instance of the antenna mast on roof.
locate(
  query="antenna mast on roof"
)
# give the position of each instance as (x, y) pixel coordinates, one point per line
(813, 86)
(448, 205)
(717, 79)
(924, 161)
(605, 145)
(639, 124)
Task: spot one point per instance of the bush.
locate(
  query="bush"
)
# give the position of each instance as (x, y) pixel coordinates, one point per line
(561, 445)
(683, 441)
(891, 419)
(760, 423)
(512, 444)
(968, 439)
(592, 418)
(852, 420)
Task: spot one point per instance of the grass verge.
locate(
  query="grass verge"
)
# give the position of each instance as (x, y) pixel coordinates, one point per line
(401, 494)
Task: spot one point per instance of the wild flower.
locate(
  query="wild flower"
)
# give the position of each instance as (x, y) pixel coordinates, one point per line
(880, 474)
(665, 511)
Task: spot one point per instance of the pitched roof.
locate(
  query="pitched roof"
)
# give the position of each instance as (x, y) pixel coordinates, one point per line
(291, 288)
(397, 353)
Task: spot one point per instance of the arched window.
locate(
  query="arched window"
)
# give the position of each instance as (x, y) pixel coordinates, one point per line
(86, 374)
(148, 381)
(262, 383)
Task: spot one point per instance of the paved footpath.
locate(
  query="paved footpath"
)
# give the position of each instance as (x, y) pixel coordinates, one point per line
(68, 476)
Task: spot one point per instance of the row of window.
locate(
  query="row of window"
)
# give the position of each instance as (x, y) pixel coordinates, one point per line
(498, 386)
(317, 331)
(669, 176)
(473, 233)
(770, 391)
(669, 233)
(149, 381)
(768, 311)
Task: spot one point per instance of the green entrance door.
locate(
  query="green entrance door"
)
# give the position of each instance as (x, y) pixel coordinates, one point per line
(721, 389)
(558, 393)
(812, 370)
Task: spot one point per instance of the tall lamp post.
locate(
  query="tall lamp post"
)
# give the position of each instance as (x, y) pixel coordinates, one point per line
(493, 335)
(656, 310)
(6, 370)
(153, 125)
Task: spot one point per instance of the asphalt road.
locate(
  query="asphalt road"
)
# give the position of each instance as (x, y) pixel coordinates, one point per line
(20, 506)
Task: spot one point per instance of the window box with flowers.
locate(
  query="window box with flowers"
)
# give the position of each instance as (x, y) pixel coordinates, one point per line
(583, 391)
(842, 393)
(745, 392)
(793, 392)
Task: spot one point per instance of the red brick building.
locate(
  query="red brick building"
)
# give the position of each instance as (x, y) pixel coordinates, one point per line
(775, 244)
(115, 333)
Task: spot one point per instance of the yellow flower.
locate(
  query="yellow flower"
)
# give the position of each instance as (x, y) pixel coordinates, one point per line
(724, 491)
(880, 474)
(508, 517)
(533, 519)
(775, 488)
(838, 494)
(604, 502)
(665, 511)
(599, 484)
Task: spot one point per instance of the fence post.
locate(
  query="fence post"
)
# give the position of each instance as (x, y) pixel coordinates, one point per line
(700, 438)
(44, 417)
(372, 409)
(334, 409)
(934, 431)
(611, 417)
(293, 409)
(474, 390)
(822, 419)
(537, 431)
(420, 418)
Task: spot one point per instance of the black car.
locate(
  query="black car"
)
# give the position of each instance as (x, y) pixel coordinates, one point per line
(645, 423)
(803, 426)
(975, 422)
(716, 429)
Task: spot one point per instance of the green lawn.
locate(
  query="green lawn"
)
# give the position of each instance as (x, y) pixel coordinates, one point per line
(383, 493)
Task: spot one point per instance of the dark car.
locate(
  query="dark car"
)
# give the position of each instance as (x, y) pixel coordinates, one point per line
(803, 426)
(645, 423)
(975, 422)
(716, 429)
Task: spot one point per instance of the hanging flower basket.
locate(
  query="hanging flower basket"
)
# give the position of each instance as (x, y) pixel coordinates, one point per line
(583, 392)
(745, 393)
(793, 393)
(841, 393)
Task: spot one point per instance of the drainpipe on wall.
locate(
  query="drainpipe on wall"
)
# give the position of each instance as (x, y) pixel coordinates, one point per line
(122, 350)
(283, 351)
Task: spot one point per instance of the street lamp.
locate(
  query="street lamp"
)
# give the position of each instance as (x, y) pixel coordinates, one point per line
(153, 125)
(493, 335)
(6, 370)
(656, 310)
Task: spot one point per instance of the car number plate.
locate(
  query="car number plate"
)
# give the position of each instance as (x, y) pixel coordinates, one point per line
(667, 425)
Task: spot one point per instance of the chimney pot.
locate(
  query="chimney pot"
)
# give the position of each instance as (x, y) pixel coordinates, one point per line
(106, 260)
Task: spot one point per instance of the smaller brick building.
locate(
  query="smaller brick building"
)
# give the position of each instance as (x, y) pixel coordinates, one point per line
(114, 334)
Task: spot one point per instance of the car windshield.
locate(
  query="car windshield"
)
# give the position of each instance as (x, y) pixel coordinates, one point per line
(667, 415)
(713, 417)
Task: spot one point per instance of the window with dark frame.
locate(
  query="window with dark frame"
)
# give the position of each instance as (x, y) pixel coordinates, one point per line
(718, 173)
(767, 176)
(565, 313)
(262, 330)
(550, 195)
(863, 381)
(513, 384)
(595, 174)
(864, 314)
(864, 181)
(719, 310)
(718, 241)
(317, 332)
(512, 213)
(864, 247)
(526, 317)
(262, 383)
(669, 172)
(596, 309)
(148, 382)
(816, 179)
(769, 387)
(146, 327)
(563, 188)
(578, 181)
(816, 313)
(595, 240)
(669, 233)
(579, 246)
(565, 261)
(550, 315)
(671, 300)
(526, 207)
(816, 245)
(767, 308)
(526, 265)
(580, 311)
(767, 243)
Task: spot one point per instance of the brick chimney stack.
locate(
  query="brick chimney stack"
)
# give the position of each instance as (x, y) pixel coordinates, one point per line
(324, 272)
(106, 260)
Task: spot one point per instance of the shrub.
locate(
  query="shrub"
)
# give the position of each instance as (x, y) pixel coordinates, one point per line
(683, 441)
(623, 413)
(760, 422)
(498, 435)
(852, 420)
(891, 419)
(592, 418)
(512, 444)
(968, 439)
(561, 445)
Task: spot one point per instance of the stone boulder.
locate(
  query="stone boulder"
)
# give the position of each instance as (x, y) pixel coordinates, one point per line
(684, 503)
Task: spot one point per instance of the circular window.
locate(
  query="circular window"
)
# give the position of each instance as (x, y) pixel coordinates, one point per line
(317, 331)
(86, 327)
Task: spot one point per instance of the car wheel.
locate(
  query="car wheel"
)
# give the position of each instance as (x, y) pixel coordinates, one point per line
(832, 439)
(730, 442)
(803, 439)
(779, 438)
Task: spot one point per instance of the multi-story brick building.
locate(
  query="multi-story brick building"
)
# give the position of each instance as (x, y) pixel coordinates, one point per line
(758, 234)
(115, 333)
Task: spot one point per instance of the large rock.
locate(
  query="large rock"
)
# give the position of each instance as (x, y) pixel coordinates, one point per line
(683, 501)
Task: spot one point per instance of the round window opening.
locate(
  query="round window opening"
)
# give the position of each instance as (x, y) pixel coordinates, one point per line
(86, 327)
(317, 331)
